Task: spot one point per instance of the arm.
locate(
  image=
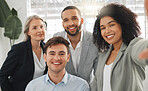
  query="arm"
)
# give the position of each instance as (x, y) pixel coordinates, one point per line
(9, 64)
(143, 54)
(137, 48)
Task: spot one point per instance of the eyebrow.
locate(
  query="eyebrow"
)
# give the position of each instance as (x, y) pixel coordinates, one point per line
(108, 23)
(59, 52)
(52, 52)
(72, 17)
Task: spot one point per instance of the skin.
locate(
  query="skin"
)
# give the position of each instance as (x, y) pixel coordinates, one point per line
(56, 58)
(36, 30)
(144, 53)
(71, 23)
(112, 33)
(36, 33)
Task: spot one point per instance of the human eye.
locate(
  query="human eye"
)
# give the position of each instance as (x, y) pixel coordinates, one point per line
(34, 27)
(74, 18)
(102, 28)
(41, 26)
(62, 53)
(65, 20)
(51, 53)
(112, 25)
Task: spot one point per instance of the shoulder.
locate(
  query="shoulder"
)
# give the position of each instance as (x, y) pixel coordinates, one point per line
(135, 40)
(77, 83)
(20, 46)
(62, 33)
(36, 82)
(78, 80)
(87, 33)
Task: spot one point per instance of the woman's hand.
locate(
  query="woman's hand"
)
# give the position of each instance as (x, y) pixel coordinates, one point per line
(144, 54)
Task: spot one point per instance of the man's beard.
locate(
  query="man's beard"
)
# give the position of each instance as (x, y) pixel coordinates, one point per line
(77, 31)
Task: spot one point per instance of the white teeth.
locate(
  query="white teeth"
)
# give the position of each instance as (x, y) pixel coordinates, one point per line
(110, 36)
(56, 63)
(71, 28)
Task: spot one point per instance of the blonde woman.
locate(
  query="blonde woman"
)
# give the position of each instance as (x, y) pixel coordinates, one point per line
(25, 60)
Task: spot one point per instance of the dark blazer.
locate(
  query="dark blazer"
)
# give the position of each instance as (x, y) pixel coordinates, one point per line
(18, 68)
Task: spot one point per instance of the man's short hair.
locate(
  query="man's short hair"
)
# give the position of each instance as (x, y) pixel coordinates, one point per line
(56, 41)
(71, 7)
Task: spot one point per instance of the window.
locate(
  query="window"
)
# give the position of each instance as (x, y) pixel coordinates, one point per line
(50, 10)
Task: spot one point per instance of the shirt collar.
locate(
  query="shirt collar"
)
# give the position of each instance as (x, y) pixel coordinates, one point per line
(64, 80)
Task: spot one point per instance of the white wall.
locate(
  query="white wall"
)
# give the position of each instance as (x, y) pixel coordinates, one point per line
(21, 7)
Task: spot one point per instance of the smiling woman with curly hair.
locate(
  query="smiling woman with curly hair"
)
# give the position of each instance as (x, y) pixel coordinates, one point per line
(116, 34)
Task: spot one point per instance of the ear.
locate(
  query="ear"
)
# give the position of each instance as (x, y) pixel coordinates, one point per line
(82, 20)
(68, 57)
(45, 57)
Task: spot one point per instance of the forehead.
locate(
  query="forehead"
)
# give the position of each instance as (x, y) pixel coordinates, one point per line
(106, 20)
(57, 48)
(69, 13)
(36, 21)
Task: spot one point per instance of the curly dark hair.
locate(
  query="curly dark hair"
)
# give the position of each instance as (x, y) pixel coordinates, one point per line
(124, 16)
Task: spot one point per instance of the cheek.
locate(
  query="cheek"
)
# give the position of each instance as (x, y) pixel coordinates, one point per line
(102, 34)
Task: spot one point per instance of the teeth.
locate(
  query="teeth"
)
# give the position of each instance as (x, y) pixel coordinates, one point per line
(110, 36)
(56, 63)
(71, 28)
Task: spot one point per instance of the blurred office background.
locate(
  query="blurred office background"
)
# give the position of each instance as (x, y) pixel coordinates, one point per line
(50, 11)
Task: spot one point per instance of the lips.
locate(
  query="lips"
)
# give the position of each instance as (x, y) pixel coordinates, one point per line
(40, 35)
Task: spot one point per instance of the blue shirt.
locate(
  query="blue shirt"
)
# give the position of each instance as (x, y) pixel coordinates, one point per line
(68, 83)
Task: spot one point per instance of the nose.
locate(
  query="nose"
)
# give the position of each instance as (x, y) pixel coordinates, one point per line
(71, 22)
(107, 30)
(56, 57)
(40, 29)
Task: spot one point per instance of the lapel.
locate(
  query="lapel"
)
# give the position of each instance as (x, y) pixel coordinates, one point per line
(102, 60)
(85, 46)
(100, 69)
(69, 66)
(121, 52)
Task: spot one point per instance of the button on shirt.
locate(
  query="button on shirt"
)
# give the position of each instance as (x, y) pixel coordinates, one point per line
(68, 83)
(75, 53)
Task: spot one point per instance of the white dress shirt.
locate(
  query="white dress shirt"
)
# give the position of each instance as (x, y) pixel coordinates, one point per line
(75, 53)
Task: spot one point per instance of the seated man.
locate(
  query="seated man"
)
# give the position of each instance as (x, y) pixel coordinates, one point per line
(57, 79)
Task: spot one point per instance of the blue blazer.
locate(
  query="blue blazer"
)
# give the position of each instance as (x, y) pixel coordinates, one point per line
(18, 68)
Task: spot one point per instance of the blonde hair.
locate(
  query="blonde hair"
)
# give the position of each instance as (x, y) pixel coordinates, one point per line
(27, 23)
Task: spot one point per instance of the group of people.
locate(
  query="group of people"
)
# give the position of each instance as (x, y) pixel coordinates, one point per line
(109, 59)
